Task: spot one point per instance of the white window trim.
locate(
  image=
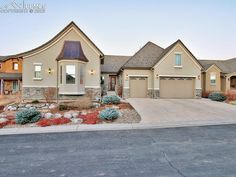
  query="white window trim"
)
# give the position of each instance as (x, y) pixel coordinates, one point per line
(176, 66)
(38, 78)
(74, 74)
(213, 74)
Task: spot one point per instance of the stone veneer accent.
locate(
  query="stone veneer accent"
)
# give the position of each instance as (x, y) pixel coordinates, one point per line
(198, 93)
(37, 93)
(125, 93)
(156, 94)
(150, 93)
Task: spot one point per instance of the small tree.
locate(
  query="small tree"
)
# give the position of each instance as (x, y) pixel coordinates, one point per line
(49, 94)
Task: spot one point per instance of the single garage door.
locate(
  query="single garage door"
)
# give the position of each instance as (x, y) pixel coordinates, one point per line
(176, 87)
(138, 87)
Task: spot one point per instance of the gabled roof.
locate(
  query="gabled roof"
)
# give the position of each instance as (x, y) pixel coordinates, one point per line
(72, 50)
(70, 25)
(169, 48)
(226, 66)
(113, 63)
(146, 57)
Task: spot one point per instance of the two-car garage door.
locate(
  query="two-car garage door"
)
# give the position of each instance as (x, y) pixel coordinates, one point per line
(176, 87)
(170, 87)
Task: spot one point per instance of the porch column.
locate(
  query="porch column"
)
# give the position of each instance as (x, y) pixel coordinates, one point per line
(1, 86)
(18, 89)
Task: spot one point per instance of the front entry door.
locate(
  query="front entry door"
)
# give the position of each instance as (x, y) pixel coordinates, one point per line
(112, 83)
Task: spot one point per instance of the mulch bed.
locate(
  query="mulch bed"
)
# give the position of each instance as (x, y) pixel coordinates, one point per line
(128, 115)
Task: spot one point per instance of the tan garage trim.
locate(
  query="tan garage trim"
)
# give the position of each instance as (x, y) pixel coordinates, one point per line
(177, 87)
(138, 87)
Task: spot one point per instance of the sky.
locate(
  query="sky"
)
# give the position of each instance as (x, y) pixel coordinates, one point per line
(122, 27)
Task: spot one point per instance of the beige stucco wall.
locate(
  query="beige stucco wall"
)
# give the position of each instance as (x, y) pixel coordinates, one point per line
(210, 87)
(48, 57)
(130, 72)
(166, 67)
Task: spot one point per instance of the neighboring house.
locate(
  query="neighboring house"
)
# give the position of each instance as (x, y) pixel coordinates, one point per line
(10, 74)
(219, 75)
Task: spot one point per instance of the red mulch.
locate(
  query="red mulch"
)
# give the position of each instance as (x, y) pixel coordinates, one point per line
(91, 118)
(9, 122)
(53, 121)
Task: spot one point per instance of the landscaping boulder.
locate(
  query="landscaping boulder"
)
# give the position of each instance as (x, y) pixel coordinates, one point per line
(52, 106)
(48, 115)
(75, 114)
(57, 115)
(2, 120)
(68, 115)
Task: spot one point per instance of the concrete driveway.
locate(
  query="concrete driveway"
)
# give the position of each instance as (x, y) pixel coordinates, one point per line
(181, 112)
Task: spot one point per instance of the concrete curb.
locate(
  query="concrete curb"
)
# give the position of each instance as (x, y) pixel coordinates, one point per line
(108, 127)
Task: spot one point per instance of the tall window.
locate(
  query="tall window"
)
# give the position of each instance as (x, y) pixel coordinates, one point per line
(15, 85)
(70, 74)
(178, 61)
(15, 66)
(38, 71)
(60, 74)
(81, 74)
(213, 78)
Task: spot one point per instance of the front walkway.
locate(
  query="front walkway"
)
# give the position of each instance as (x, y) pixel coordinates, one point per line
(183, 111)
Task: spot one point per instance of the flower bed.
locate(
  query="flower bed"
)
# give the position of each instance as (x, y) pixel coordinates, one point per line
(50, 117)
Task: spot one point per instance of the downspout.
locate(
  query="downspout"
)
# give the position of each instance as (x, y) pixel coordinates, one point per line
(57, 84)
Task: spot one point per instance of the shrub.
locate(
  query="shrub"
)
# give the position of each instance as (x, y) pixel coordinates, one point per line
(111, 99)
(81, 103)
(63, 107)
(231, 95)
(49, 94)
(35, 101)
(217, 96)
(27, 116)
(109, 114)
(205, 94)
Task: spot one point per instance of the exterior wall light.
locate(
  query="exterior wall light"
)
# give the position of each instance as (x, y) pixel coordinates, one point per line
(157, 75)
(92, 72)
(49, 71)
(199, 77)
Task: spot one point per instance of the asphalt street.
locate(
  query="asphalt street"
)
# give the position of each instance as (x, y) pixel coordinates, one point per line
(174, 152)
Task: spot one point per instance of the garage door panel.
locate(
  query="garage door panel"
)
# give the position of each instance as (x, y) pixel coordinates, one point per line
(138, 87)
(177, 87)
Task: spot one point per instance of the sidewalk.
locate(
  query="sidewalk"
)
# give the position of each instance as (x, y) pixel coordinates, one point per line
(105, 127)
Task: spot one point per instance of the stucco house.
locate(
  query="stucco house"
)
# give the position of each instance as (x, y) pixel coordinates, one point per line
(72, 65)
(10, 74)
(219, 75)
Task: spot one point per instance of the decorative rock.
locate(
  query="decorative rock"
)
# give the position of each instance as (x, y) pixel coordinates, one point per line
(13, 108)
(28, 105)
(3, 115)
(52, 106)
(48, 115)
(57, 115)
(75, 114)
(76, 121)
(68, 115)
(115, 107)
(3, 120)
